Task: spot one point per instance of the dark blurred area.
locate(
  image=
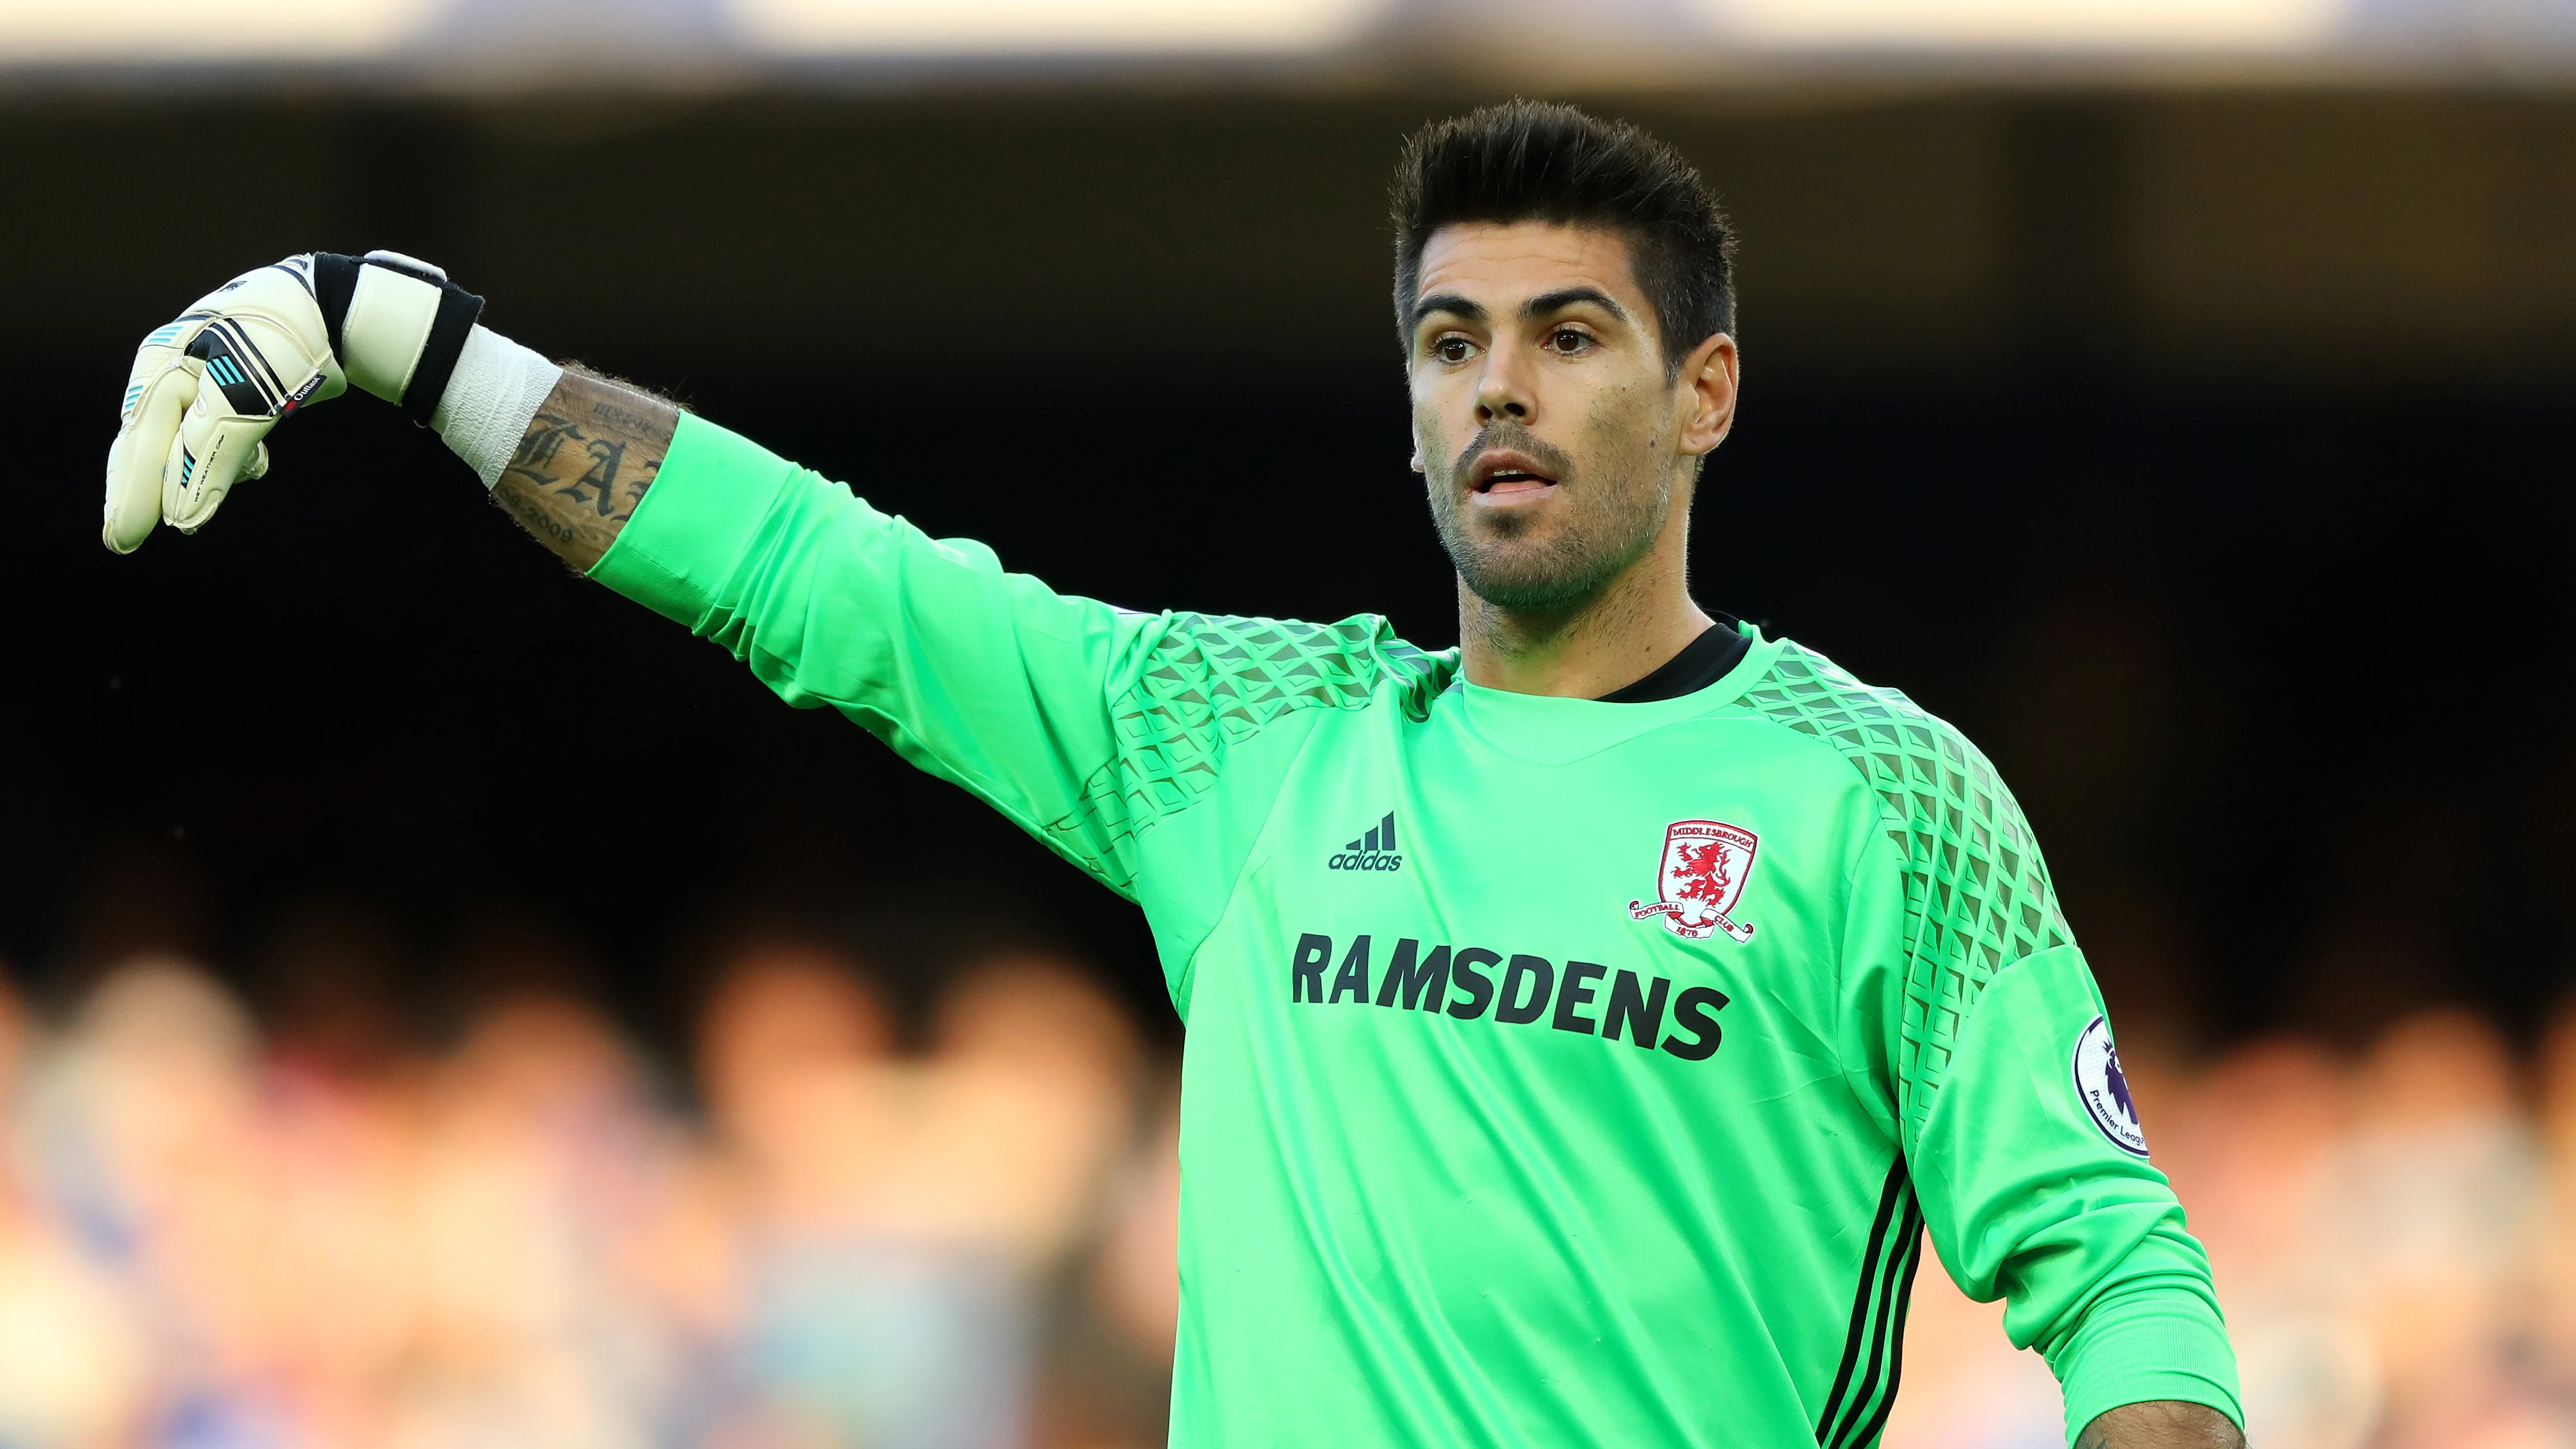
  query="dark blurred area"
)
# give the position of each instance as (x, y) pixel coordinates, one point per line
(2202, 454)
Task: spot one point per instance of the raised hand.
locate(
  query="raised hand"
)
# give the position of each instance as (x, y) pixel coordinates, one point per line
(207, 389)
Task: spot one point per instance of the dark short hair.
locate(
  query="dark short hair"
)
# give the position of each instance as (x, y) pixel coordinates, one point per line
(1540, 161)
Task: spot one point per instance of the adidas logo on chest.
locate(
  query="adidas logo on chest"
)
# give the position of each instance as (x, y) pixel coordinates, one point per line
(1372, 851)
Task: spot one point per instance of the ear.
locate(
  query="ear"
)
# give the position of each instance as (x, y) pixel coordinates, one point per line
(1707, 395)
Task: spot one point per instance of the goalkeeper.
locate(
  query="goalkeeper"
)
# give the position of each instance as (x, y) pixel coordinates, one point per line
(1585, 1023)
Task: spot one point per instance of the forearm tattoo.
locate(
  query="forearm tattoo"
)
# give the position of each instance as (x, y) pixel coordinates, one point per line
(587, 459)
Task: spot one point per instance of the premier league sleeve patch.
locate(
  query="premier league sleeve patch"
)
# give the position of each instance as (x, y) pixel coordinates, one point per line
(2104, 1089)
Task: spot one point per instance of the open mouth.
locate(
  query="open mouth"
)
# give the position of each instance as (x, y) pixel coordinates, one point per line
(1504, 478)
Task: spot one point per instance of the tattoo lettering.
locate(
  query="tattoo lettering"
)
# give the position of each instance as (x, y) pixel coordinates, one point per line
(574, 499)
(545, 437)
(556, 534)
(604, 458)
(615, 416)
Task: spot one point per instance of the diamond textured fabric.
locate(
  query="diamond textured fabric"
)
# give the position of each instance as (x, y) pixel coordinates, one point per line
(1211, 682)
(1977, 893)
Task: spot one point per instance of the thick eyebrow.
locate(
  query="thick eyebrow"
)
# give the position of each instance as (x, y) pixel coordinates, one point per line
(1449, 302)
(1564, 297)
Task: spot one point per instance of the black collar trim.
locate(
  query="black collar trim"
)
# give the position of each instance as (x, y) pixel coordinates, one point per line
(1703, 662)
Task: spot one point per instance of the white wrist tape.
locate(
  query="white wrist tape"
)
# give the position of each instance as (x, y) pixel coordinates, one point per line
(490, 400)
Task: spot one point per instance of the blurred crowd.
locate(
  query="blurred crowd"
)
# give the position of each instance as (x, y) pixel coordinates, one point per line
(845, 1229)
(947, 1221)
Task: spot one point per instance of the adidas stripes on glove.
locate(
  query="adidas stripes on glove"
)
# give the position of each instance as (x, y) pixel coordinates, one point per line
(207, 388)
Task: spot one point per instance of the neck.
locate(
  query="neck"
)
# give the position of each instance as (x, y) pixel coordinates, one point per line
(1588, 649)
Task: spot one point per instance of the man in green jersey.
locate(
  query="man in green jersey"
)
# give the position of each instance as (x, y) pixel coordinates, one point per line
(1585, 1023)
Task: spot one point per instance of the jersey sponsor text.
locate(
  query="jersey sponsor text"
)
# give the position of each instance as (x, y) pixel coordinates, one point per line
(1519, 989)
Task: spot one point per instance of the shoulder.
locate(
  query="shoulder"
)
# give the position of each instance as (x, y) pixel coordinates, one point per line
(1899, 749)
(1187, 691)
(1967, 853)
(1244, 671)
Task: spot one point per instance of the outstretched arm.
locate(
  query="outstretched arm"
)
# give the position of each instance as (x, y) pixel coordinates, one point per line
(1029, 699)
(566, 451)
(586, 459)
(2167, 1424)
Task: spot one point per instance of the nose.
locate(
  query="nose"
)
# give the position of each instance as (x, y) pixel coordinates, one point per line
(1503, 391)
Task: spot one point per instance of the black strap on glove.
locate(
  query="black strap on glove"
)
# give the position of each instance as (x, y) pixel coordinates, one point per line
(335, 284)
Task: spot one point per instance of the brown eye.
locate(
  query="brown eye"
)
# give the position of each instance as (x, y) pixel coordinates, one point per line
(1451, 349)
(1568, 339)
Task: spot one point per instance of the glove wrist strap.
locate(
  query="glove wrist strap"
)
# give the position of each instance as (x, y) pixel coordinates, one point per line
(396, 325)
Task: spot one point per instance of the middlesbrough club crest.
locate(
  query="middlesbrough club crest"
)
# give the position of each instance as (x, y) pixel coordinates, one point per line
(1702, 877)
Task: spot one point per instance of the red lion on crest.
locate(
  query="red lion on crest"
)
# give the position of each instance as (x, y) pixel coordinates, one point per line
(1702, 877)
(1703, 872)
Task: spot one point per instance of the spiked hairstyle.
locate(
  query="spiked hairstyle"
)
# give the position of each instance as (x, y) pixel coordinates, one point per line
(1540, 161)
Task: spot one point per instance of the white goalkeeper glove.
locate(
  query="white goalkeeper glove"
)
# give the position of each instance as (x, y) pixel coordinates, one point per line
(207, 388)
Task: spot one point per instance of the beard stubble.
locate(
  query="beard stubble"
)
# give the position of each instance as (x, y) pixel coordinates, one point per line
(1606, 523)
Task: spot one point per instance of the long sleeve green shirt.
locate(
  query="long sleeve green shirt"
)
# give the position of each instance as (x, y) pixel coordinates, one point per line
(1557, 1072)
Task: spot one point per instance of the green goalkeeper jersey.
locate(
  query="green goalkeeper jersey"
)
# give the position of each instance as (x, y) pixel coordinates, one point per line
(1558, 1072)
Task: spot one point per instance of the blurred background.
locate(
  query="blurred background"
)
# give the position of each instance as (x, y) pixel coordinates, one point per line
(442, 1004)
